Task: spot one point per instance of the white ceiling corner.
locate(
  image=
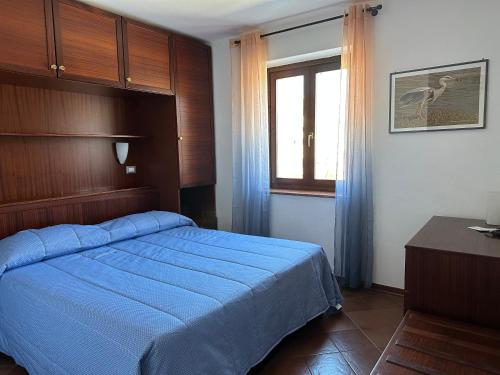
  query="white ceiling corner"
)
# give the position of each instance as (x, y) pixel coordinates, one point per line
(210, 19)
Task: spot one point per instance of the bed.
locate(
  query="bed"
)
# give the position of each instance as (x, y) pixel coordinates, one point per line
(152, 293)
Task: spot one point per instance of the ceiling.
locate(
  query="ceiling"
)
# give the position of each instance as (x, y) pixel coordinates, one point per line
(210, 19)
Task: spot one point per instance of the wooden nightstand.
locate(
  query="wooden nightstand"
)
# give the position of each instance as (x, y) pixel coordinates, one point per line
(454, 272)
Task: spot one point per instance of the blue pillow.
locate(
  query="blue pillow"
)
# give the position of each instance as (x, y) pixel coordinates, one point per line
(34, 245)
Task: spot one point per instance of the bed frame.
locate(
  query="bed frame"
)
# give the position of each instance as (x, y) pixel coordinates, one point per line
(90, 208)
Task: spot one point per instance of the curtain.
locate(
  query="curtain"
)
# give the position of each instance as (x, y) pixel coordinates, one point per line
(354, 203)
(250, 136)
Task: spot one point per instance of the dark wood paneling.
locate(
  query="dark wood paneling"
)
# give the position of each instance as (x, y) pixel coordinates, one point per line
(27, 36)
(36, 167)
(439, 283)
(198, 203)
(486, 281)
(67, 135)
(427, 344)
(454, 272)
(51, 83)
(146, 57)
(88, 43)
(25, 109)
(83, 209)
(45, 167)
(193, 87)
(155, 114)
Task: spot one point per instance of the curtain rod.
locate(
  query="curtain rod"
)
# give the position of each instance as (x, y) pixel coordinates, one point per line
(373, 11)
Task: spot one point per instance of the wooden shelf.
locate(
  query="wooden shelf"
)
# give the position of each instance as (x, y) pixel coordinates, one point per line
(68, 135)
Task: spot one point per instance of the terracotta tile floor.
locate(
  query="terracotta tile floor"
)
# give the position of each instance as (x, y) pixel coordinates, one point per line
(345, 343)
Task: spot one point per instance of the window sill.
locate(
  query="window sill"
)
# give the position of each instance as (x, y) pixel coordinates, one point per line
(304, 193)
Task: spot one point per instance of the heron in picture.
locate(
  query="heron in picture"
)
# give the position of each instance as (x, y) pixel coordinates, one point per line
(424, 95)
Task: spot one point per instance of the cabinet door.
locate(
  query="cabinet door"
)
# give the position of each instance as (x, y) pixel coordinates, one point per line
(146, 57)
(27, 36)
(486, 287)
(440, 283)
(193, 89)
(88, 43)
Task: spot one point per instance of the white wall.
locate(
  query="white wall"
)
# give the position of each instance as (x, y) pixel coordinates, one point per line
(308, 219)
(423, 174)
(415, 175)
(223, 139)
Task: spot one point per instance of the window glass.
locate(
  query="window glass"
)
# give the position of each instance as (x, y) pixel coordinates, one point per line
(327, 118)
(289, 127)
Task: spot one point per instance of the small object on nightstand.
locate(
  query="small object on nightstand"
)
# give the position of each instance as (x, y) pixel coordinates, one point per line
(483, 229)
(493, 212)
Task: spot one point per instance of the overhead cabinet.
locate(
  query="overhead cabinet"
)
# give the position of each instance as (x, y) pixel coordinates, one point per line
(74, 41)
(27, 37)
(147, 57)
(88, 43)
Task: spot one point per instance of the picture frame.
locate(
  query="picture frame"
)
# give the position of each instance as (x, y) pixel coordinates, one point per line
(445, 97)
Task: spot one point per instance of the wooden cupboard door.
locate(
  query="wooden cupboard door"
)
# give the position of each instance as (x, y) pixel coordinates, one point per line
(440, 282)
(193, 88)
(486, 288)
(27, 36)
(146, 57)
(88, 43)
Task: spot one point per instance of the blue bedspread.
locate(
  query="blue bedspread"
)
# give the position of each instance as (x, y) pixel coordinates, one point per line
(153, 294)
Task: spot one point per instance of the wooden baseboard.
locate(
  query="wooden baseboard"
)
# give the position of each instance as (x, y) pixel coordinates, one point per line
(388, 289)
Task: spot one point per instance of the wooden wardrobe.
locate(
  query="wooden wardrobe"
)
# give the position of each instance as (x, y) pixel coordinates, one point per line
(75, 79)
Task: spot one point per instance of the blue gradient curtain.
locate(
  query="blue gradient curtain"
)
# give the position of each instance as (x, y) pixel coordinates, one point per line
(354, 202)
(250, 136)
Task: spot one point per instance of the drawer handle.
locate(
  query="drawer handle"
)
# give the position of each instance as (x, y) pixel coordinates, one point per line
(53, 67)
(179, 138)
(62, 67)
(129, 79)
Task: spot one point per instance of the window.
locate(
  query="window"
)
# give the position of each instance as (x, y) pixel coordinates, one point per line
(305, 112)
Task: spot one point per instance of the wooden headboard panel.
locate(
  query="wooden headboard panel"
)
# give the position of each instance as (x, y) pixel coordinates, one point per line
(82, 209)
(57, 159)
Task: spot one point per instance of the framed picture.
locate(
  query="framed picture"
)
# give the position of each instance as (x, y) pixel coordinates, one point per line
(440, 98)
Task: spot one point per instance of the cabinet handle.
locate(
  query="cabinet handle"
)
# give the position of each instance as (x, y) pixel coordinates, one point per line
(129, 79)
(53, 67)
(62, 67)
(179, 138)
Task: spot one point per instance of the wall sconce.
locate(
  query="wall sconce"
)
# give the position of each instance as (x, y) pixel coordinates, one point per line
(121, 152)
